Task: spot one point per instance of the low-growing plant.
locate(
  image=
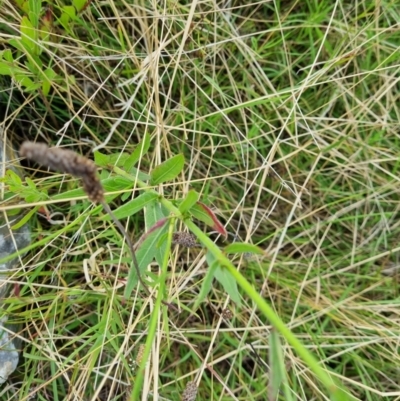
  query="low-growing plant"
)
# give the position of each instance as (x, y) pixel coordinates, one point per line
(28, 65)
(119, 174)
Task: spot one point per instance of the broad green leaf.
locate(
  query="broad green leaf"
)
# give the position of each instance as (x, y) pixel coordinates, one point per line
(134, 206)
(208, 279)
(228, 282)
(29, 35)
(114, 184)
(31, 184)
(242, 247)
(198, 212)
(117, 159)
(133, 175)
(101, 159)
(153, 214)
(46, 86)
(70, 11)
(203, 213)
(277, 375)
(50, 75)
(17, 44)
(5, 68)
(26, 82)
(13, 178)
(191, 198)
(67, 13)
(7, 55)
(79, 4)
(168, 170)
(35, 196)
(34, 64)
(141, 149)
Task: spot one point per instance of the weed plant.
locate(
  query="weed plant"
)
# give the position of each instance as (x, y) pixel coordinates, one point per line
(269, 131)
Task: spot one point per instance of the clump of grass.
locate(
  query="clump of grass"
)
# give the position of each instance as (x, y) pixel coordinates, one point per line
(70, 162)
(287, 114)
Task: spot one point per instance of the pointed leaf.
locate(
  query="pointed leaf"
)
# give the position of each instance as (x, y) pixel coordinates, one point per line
(228, 282)
(5, 68)
(101, 159)
(208, 279)
(152, 216)
(50, 75)
(35, 7)
(26, 82)
(191, 198)
(203, 213)
(28, 35)
(25, 219)
(79, 4)
(7, 54)
(278, 375)
(140, 150)
(242, 247)
(145, 254)
(168, 170)
(132, 207)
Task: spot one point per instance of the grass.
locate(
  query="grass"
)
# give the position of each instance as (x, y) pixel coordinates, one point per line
(287, 115)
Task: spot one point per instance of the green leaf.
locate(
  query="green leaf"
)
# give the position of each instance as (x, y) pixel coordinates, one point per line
(133, 175)
(31, 184)
(13, 179)
(50, 75)
(26, 82)
(203, 213)
(25, 218)
(228, 282)
(5, 68)
(145, 254)
(168, 170)
(242, 247)
(198, 212)
(208, 279)
(101, 159)
(117, 159)
(68, 13)
(29, 35)
(153, 214)
(132, 207)
(7, 54)
(278, 375)
(115, 184)
(35, 6)
(17, 44)
(191, 198)
(141, 149)
(79, 4)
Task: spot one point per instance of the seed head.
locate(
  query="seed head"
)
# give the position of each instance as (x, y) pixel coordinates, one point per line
(190, 392)
(66, 161)
(185, 239)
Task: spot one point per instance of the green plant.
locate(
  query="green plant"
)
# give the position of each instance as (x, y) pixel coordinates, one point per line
(161, 215)
(29, 64)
